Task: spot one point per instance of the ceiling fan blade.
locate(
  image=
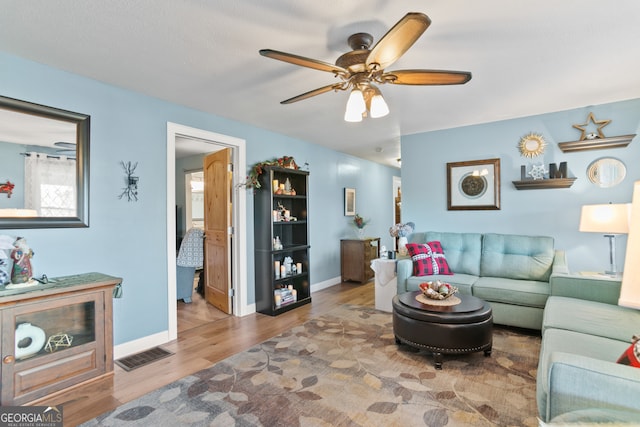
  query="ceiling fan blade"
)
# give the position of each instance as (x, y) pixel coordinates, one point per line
(303, 62)
(398, 40)
(426, 77)
(320, 90)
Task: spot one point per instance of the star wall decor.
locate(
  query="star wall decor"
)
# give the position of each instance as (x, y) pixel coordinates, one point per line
(583, 127)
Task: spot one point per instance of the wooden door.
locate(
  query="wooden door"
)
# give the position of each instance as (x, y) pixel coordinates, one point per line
(217, 223)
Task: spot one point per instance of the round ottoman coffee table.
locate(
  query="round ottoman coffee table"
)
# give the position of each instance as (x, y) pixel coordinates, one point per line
(443, 329)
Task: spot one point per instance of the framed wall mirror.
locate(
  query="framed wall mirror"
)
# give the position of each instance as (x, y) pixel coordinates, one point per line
(44, 166)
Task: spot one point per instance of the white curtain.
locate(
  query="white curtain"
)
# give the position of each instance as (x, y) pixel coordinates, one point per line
(50, 185)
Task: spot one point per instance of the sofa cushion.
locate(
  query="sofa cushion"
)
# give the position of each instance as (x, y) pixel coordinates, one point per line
(517, 257)
(428, 259)
(463, 282)
(463, 250)
(590, 317)
(559, 340)
(528, 293)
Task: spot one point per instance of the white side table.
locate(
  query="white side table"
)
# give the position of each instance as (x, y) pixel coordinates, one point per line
(386, 282)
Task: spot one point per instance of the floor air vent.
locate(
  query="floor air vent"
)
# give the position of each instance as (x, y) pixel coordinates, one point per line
(143, 358)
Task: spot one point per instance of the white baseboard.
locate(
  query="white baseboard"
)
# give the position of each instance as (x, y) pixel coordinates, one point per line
(326, 284)
(247, 309)
(141, 344)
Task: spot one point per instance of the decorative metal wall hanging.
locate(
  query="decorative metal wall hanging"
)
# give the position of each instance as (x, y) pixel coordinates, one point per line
(131, 182)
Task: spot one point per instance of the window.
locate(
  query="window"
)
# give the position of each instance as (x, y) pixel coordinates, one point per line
(50, 185)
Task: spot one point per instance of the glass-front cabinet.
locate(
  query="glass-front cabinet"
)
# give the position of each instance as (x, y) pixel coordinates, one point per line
(55, 336)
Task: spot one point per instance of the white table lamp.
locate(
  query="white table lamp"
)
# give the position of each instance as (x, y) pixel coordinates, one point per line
(611, 220)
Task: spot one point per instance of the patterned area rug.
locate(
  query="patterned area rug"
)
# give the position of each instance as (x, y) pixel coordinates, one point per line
(344, 369)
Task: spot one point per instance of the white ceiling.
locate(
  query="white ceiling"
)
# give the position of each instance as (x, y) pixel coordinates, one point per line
(527, 57)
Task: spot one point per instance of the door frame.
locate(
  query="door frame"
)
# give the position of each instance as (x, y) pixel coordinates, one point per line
(239, 200)
(396, 182)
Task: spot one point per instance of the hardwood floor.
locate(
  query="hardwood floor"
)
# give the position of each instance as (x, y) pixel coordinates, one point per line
(197, 313)
(200, 343)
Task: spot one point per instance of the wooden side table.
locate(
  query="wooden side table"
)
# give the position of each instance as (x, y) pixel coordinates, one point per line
(355, 258)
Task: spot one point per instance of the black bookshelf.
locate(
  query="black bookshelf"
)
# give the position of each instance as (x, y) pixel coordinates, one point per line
(292, 231)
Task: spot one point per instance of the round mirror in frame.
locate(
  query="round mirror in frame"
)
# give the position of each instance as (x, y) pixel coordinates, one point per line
(606, 172)
(532, 145)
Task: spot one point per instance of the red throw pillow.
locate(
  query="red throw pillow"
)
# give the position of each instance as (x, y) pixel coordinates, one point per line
(631, 356)
(428, 259)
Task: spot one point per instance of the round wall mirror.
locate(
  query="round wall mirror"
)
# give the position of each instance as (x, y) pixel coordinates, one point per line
(532, 145)
(606, 172)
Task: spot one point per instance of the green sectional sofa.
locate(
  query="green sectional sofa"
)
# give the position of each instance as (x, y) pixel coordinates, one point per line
(584, 332)
(511, 272)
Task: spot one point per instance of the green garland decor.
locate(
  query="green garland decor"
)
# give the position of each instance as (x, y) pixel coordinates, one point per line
(253, 179)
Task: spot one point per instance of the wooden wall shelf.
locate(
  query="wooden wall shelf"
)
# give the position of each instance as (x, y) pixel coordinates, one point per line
(596, 144)
(537, 184)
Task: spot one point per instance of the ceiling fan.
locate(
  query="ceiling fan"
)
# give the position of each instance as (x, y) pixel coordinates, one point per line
(362, 67)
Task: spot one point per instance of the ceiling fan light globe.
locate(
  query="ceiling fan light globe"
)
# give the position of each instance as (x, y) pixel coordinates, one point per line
(379, 107)
(352, 117)
(355, 106)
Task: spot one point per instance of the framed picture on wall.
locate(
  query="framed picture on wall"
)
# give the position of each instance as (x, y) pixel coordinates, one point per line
(473, 185)
(349, 202)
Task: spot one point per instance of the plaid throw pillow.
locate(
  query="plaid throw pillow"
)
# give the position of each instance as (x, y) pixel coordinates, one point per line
(5, 272)
(631, 356)
(428, 259)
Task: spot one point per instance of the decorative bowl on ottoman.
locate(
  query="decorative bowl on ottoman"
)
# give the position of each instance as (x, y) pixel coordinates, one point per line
(437, 290)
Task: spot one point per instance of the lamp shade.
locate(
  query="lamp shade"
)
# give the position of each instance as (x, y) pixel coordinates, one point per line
(607, 219)
(379, 107)
(355, 106)
(630, 289)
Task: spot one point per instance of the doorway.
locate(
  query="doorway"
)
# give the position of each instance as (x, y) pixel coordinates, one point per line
(208, 142)
(190, 215)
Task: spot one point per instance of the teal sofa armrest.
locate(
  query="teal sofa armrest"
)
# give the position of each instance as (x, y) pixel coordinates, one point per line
(593, 288)
(404, 270)
(577, 382)
(560, 265)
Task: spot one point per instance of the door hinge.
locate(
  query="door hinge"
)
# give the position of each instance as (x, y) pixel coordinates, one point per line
(230, 230)
(229, 167)
(232, 292)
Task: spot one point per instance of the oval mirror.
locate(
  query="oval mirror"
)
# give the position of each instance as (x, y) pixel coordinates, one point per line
(606, 172)
(44, 157)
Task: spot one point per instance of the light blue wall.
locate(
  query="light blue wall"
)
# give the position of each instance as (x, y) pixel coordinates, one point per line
(553, 212)
(128, 239)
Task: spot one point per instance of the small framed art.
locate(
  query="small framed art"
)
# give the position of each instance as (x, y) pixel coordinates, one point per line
(349, 201)
(473, 185)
